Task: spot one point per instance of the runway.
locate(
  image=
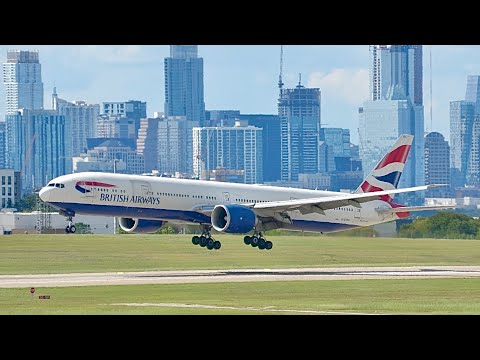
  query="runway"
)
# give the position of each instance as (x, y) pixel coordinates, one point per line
(236, 275)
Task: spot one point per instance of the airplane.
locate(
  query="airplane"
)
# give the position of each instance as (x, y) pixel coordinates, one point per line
(144, 204)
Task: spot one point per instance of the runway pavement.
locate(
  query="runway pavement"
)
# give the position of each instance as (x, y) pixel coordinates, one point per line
(236, 275)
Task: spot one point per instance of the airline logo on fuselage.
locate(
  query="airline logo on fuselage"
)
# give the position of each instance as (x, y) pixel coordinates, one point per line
(79, 184)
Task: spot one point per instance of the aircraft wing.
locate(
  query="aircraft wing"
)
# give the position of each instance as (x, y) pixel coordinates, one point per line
(417, 208)
(309, 205)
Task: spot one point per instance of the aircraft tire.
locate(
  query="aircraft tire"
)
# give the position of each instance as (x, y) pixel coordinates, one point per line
(195, 240)
(73, 229)
(261, 244)
(217, 245)
(254, 242)
(268, 245)
(203, 241)
(247, 240)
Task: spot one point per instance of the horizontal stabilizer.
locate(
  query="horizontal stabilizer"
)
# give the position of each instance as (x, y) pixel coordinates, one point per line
(416, 208)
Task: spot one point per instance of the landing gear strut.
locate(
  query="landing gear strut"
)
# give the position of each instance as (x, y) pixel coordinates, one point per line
(70, 229)
(257, 240)
(206, 240)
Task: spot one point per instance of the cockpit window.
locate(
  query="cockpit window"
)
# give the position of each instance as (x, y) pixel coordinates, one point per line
(57, 185)
(51, 184)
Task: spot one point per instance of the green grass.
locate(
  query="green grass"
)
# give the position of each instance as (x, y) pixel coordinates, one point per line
(416, 296)
(33, 254)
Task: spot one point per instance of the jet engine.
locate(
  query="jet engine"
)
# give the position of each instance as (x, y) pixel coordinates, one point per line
(235, 219)
(140, 226)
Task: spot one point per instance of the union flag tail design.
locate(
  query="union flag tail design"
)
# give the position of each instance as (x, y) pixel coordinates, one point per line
(386, 175)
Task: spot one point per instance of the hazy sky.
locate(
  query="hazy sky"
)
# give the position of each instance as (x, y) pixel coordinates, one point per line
(245, 77)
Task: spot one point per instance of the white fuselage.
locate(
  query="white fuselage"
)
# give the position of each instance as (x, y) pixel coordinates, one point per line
(182, 200)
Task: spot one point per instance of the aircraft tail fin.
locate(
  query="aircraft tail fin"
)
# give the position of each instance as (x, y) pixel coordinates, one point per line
(386, 175)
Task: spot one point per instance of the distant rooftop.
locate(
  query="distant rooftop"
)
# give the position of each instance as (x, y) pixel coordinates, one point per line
(22, 56)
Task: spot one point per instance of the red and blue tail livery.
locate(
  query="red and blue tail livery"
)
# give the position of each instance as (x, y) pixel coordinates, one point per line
(83, 190)
(386, 175)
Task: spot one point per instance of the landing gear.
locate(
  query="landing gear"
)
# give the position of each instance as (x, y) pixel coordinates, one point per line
(70, 229)
(257, 240)
(206, 240)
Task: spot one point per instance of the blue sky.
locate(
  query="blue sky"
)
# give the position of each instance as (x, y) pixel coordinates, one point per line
(245, 77)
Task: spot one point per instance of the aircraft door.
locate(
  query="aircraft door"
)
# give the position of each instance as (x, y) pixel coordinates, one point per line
(226, 197)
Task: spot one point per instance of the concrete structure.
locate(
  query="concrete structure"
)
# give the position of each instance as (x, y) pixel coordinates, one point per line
(131, 109)
(81, 119)
(109, 153)
(16, 222)
(11, 188)
(184, 83)
(437, 165)
(299, 111)
(147, 142)
(235, 148)
(22, 77)
(115, 126)
(175, 146)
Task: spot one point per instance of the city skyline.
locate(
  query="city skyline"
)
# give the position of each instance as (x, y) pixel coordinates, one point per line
(245, 77)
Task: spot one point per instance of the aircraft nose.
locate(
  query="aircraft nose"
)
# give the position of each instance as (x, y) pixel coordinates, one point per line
(44, 194)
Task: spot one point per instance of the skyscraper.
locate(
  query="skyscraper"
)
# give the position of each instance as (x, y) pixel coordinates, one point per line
(396, 74)
(299, 111)
(237, 147)
(437, 164)
(184, 83)
(175, 149)
(37, 146)
(80, 119)
(473, 91)
(147, 142)
(131, 109)
(22, 77)
(271, 143)
(462, 118)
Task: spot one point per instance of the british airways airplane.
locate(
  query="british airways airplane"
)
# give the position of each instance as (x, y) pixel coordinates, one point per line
(143, 204)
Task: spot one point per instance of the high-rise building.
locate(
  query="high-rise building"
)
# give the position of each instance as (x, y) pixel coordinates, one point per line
(237, 147)
(22, 77)
(380, 124)
(37, 146)
(2, 144)
(113, 155)
(131, 109)
(184, 83)
(271, 141)
(221, 117)
(175, 147)
(437, 165)
(396, 74)
(115, 126)
(462, 118)
(299, 111)
(380, 71)
(335, 145)
(147, 142)
(80, 119)
(473, 91)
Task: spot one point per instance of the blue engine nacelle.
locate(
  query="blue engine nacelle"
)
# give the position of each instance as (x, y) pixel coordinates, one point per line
(235, 219)
(140, 226)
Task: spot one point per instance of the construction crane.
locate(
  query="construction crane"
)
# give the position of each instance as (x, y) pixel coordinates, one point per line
(280, 82)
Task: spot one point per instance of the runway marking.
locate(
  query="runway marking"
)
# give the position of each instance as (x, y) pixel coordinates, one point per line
(249, 308)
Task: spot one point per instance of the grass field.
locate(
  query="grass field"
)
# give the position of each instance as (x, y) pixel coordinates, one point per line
(34, 254)
(30, 254)
(416, 296)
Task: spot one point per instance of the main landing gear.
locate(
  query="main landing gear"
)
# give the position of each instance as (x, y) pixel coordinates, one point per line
(70, 229)
(206, 240)
(257, 240)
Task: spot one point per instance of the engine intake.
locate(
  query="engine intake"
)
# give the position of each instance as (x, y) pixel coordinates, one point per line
(140, 226)
(235, 219)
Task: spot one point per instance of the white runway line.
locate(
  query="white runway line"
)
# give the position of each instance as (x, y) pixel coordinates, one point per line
(249, 308)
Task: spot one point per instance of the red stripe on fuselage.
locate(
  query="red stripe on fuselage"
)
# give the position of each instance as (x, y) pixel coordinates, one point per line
(398, 155)
(95, 183)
